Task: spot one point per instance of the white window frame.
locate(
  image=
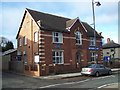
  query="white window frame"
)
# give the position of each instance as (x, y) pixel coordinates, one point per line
(25, 40)
(24, 57)
(57, 35)
(92, 41)
(93, 56)
(78, 37)
(35, 36)
(60, 57)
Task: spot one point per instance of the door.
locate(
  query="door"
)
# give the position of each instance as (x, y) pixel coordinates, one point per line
(78, 59)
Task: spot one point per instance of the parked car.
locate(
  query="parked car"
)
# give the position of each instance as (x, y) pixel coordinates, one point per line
(96, 69)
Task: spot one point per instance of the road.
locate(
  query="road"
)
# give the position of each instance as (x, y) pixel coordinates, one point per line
(10, 80)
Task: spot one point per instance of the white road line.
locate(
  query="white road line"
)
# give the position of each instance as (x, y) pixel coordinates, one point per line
(53, 85)
(106, 85)
(103, 77)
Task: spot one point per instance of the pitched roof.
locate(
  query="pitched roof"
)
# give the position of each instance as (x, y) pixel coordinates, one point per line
(55, 23)
(90, 31)
(111, 44)
(49, 21)
(9, 51)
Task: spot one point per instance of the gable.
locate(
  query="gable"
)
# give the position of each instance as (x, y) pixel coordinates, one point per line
(25, 23)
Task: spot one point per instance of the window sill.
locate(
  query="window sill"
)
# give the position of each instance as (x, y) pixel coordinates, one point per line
(92, 45)
(58, 63)
(78, 44)
(57, 42)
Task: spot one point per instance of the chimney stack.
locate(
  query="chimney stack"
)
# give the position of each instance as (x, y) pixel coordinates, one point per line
(100, 33)
(108, 40)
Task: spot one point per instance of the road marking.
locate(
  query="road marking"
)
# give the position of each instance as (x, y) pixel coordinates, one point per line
(106, 85)
(53, 85)
(103, 77)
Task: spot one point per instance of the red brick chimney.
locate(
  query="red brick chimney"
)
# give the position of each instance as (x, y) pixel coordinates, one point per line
(108, 40)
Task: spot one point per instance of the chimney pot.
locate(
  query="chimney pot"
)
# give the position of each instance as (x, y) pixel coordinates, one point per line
(108, 40)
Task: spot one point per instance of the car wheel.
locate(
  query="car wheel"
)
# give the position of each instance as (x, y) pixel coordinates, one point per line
(97, 74)
(110, 72)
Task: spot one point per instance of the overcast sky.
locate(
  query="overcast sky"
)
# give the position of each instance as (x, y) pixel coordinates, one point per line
(106, 15)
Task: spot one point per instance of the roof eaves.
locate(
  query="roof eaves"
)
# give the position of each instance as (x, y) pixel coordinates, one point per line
(21, 23)
(83, 26)
(9, 51)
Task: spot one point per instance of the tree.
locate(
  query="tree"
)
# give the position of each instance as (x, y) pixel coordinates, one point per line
(9, 45)
(5, 44)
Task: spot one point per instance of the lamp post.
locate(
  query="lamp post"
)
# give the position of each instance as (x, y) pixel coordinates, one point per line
(97, 4)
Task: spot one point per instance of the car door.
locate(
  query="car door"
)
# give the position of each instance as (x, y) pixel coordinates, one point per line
(102, 69)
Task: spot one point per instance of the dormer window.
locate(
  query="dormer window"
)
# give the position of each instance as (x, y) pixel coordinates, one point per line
(78, 38)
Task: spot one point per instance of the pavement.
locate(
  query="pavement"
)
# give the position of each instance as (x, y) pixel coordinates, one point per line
(69, 75)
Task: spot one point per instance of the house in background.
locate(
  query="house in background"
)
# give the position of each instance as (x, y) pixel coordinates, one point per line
(52, 44)
(111, 53)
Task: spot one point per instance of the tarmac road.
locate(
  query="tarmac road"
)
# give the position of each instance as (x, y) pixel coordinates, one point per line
(10, 80)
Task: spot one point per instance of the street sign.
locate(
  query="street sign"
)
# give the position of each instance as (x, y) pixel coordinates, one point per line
(93, 48)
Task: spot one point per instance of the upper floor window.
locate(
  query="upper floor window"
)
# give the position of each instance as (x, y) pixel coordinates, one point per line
(35, 36)
(57, 37)
(20, 41)
(78, 38)
(92, 41)
(25, 40)
(93, 56)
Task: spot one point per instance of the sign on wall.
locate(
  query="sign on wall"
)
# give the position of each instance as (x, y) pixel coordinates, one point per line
(36, 58)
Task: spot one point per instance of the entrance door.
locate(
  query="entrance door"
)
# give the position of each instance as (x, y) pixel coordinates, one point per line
(78, 60)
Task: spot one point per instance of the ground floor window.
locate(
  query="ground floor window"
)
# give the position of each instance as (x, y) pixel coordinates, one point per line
(58, 57)
(19, 57)
(93, 57)
(25, 57)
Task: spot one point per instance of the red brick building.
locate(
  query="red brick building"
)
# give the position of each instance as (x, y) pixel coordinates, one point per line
(53, 44)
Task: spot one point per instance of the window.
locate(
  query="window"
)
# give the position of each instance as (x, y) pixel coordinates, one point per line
(25, 58)
(57, 37)
(19, 55)
(20, 41)
(93, 57)
(35, 36)
(78, 38)
(92, 41)
(25, 40)
(78, 57)
(58, 57)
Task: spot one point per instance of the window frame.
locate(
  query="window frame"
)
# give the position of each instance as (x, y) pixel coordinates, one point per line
(56, 37)
(92, 41)
(24, 58)
(36, 36)
(92, 56)
(60, 57)
(24, 40)
(78, 38)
